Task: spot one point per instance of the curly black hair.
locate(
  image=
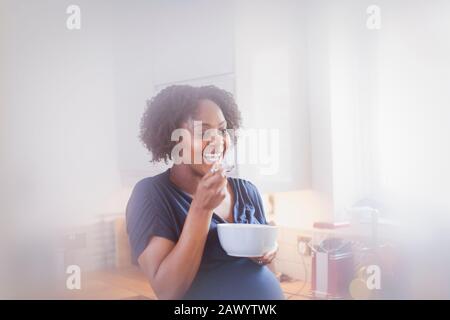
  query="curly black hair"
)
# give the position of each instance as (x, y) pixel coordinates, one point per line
(173, 105)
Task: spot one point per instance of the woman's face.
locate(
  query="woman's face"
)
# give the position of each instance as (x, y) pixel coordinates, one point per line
(210, 125)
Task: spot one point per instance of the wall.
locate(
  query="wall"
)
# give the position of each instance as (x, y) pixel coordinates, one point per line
(58, 122)
(414, 72)
(271, 90)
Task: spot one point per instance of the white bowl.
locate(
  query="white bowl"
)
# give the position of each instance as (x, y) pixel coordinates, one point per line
(247, 240)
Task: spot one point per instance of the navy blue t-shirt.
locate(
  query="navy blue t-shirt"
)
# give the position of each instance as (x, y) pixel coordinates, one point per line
(157, 207)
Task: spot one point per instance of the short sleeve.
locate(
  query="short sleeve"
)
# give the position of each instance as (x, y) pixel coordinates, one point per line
(146, 217)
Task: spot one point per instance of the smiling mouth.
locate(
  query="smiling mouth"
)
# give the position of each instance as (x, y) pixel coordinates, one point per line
(211, 158)
(214, 153)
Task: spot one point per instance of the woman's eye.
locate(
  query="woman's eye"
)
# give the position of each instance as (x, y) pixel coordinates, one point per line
(222, 132)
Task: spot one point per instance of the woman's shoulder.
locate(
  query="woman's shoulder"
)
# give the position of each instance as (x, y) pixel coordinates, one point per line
(149, 191)
(149, 185)
(147, 198)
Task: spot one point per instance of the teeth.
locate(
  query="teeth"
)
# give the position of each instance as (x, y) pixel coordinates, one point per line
(212, 157)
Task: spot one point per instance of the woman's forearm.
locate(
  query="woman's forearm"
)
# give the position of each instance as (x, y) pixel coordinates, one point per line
(175, 274)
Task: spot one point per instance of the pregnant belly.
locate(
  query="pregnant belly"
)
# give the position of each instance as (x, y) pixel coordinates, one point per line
(236, 280)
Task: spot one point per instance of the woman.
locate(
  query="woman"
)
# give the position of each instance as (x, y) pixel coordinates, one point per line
(172, 217)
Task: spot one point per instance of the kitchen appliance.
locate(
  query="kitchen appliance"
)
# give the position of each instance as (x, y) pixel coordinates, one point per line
(332, 262)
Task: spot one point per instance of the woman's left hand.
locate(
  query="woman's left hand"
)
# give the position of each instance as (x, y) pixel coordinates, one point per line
(266, 258)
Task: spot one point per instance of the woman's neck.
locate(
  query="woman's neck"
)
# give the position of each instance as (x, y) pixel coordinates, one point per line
(184, 178)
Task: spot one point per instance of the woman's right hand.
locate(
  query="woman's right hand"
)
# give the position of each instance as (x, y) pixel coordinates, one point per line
(211, 191)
